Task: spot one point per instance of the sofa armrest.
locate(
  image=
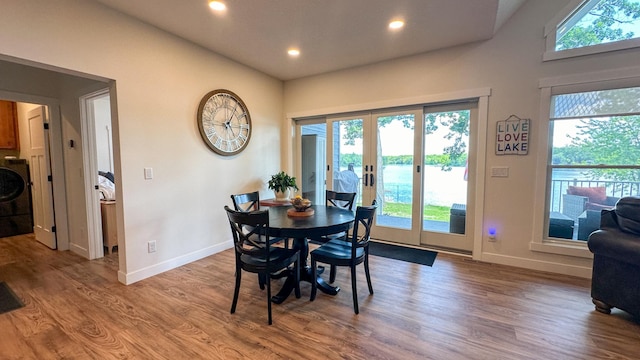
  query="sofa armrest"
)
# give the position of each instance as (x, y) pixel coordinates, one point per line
(573, 205)
(615, 244)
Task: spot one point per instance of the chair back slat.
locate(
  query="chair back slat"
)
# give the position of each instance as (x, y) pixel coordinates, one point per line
(246, 202)
(250, 231)
(340, 199)
(362, 226)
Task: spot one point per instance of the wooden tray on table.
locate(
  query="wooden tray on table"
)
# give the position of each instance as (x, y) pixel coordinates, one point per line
(294, 213)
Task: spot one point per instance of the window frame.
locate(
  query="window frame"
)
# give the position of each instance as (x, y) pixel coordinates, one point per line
(603, 80)
(550, 31)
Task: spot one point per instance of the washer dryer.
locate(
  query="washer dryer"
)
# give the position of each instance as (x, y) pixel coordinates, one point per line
(16, 216)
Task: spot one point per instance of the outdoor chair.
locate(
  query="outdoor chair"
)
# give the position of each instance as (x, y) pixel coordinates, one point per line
(579, 199)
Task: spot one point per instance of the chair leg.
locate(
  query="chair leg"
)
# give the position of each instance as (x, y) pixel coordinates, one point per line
(366, 271)
(354, 289)
(269, 297)
(261, 281)
(332, 274)
(236, 291)
(297, 276)
(314, 276)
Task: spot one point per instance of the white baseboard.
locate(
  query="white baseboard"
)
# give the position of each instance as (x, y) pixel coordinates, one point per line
(571, 270)
(84, 252)
(130, 278)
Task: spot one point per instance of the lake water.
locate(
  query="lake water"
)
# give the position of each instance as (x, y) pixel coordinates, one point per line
(440, 187)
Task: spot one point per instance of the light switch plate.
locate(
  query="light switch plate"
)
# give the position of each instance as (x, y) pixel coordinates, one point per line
(148, 173)
(500, 171)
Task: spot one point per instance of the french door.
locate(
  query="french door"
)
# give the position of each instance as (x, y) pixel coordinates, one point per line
(413, 162)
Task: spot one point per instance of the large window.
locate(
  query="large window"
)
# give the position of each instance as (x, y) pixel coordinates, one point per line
(592, 26)
(595, 157)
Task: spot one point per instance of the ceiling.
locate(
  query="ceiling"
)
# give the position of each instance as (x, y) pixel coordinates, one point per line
(331, 34)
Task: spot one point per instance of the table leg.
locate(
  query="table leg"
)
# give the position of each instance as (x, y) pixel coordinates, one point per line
(305, 275)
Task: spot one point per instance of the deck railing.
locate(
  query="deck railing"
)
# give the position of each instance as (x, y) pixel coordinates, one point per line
(613, 188)
(401, 193)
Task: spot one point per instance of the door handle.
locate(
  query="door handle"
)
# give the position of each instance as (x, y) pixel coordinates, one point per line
(371, 179)
(366, 182)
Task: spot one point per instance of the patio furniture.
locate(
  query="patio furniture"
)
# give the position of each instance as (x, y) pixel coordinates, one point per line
(560, 225)
(588, 222)
(578, 199)
(615, 280)
(457, 218)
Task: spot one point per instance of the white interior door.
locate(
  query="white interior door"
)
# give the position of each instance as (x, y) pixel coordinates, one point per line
(40, 169)
(97, 155)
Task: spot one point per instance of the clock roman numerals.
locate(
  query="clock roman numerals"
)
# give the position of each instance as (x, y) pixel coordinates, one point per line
(224, 122)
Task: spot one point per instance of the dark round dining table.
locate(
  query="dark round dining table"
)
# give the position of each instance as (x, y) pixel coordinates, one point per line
(326, 220)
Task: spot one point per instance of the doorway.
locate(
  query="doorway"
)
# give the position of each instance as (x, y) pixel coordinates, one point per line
(99, 179)
(58, 90)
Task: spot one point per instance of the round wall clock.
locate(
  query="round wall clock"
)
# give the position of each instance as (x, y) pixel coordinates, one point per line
(224, 122)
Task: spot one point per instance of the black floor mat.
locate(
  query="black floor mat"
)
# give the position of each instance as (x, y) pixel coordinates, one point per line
(8, 300)
(417, 256)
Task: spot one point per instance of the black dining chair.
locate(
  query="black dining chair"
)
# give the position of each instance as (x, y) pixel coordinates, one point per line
(246, 202)
(251, 202)
(349, 253)
(254, 253)
(342, 200)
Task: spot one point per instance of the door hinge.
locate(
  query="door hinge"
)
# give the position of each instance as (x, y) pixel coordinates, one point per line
(49, 178)
(53, 229)
(46, 126)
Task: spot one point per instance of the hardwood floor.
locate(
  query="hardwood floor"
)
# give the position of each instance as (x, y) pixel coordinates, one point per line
(457, 309)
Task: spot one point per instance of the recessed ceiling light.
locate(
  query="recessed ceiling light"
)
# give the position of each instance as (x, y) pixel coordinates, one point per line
(396, 24)
(217, 5)
(293, 52)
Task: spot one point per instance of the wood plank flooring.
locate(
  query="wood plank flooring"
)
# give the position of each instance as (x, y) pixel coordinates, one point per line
(457, 309)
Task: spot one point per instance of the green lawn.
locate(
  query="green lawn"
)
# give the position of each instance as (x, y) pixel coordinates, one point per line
(431, 212)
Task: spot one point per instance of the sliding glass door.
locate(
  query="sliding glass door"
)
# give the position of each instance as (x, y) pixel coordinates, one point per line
(446, 219)
(413, 162)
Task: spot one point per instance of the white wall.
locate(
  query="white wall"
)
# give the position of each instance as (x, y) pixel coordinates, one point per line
(159, 81)
(511, 65)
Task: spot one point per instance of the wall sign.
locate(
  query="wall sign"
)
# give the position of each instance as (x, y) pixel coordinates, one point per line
(512, 136)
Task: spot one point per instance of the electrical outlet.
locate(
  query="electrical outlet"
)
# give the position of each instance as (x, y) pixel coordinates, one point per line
(492, 234)
(151, 246)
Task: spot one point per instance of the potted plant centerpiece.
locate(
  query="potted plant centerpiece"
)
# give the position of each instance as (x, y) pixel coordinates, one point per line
(280, 183)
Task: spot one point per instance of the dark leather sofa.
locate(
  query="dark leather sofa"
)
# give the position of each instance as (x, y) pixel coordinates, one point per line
(615, 279)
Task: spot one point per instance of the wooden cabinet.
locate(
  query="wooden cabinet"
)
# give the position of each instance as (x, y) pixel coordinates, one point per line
(8, 126)
(109, 228)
